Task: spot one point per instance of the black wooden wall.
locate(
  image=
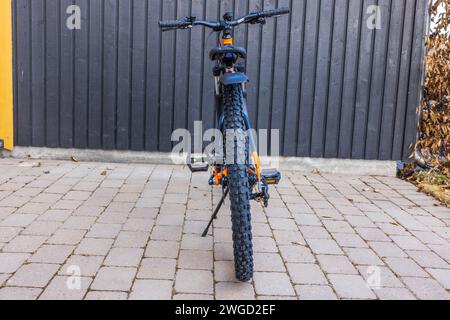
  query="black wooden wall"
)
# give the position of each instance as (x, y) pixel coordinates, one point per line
(334, 87)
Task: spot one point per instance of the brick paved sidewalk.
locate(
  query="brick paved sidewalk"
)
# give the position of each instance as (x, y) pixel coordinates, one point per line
(133, 232)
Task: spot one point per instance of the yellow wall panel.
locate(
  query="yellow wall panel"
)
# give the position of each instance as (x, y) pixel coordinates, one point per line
(6, 77)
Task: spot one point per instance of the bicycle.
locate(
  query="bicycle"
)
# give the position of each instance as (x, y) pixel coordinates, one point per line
(240, 173)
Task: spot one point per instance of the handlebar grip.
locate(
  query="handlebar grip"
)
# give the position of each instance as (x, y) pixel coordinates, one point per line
(173, 24)
(275, 12)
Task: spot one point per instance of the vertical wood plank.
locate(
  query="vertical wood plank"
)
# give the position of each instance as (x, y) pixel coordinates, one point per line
(139, 66)
(402, 95)
(377, 82)
(96, 28)
(24, 136)
(416, 74)
(182, 70)
(322, 79)
(124, 74)
(350, 78)
(294, 78)
(391, 83)
(38, 72)
(67, 106)
(110, 43)
(153, 75)
(366, 55)
(266, 70)
(167, 77)
(335, 102)
(81, 78)
(308, 77)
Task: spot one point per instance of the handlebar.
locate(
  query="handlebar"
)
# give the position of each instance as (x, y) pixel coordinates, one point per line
(189, 22)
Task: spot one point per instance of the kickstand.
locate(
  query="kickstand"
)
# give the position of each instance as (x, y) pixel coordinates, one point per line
(216, 212)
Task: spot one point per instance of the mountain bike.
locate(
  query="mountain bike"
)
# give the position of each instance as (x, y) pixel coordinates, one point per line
(238, 168)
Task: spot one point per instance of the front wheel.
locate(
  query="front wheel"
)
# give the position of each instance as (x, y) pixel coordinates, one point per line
(238, 182)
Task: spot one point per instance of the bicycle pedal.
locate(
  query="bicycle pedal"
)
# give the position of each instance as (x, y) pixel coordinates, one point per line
(197, 163)
(270, 176)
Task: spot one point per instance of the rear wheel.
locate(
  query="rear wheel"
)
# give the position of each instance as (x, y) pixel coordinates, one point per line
(238, 181)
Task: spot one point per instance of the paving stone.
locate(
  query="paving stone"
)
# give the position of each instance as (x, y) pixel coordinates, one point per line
(104, 231)
(268, 262)
(151, 290)
(426, 289)
(55, 215)
(86, 265)
(194, 281)
(18, 220)
(336, 264)
(106, 295)
(387, 278)
(373, 234)
(48, 198)
(157, 268)
(394, 294)
(350, 287)
(8, 233)
(283, 224)
(114, 279)
(315, 293)
(33, 208)
(196, 242)
(11, 262)
(192, 297)
(132, 239)
(307, 220)
(349, 240)
(79, 223)
(338, 226)
(428, 237)
(14, 201)
(320, 246)
(16, 293)
(162, 249)
(283, 237)
(405, 267)
(234, 291)
(36, 275)
(297, 254)
(77, 195)
(314, 232)
(428, 259)
(67, 204)
(261, 230)
(409, 243)
(360, 221)
(197, 260)
(222, 235)
(67, 237)
(124, 257)
(442, 276)
(26, 244)
(94, 247)
(3, 278)
(65, 288)
(223, 252)
(387, 250)
(264, 244)
(363, 256)
(52, 254)
(306, 274)
(273, 284)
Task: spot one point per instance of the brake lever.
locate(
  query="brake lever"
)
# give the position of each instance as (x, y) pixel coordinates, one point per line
(259, 20)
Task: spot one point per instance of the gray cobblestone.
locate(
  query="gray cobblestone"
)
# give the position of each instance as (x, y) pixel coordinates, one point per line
(136, 234)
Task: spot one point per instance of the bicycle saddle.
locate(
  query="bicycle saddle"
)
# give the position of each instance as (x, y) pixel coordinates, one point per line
(215, 53)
